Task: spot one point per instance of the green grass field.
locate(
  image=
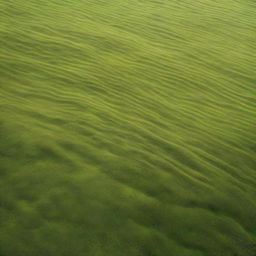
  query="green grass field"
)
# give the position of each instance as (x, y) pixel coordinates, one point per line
(127, 128)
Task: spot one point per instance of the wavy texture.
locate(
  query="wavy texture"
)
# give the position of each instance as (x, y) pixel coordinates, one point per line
(127, 128)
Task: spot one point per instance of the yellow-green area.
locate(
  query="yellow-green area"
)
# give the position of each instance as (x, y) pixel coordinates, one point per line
(127, 128)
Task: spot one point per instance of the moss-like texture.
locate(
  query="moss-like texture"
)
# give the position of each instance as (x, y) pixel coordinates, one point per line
(127, 128)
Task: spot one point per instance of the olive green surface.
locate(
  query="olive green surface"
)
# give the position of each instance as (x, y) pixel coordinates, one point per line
(127, 128)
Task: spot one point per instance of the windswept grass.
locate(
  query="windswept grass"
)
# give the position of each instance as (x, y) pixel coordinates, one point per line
(127, 128)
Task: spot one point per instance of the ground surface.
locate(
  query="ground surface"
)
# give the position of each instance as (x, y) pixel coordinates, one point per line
(127, 128)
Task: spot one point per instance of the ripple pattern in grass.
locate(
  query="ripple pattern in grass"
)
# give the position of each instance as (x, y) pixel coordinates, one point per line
(127, 128)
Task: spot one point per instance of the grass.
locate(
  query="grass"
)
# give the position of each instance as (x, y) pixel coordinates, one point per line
(127, 128)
